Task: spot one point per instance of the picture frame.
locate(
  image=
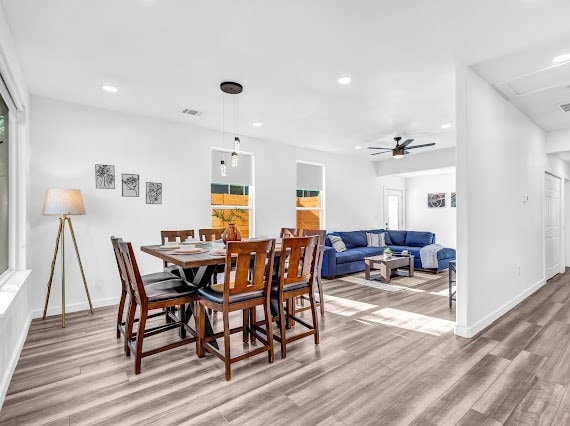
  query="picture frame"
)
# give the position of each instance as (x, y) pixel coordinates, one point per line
(130, 184)
(154, 193)
(436, 200)
(104, 176)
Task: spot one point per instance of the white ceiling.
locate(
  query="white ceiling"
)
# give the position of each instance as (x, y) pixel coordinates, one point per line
(166, 55)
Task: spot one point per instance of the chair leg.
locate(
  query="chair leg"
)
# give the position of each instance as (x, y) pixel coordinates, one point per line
(182, 316)
(140, 338)
(200, 329)
(282, 322)
(252, 320)
(129, 326)
(245, 331)
(227, 353)
(321, 294)
(120, 313)
(269, 331)
(315, 316)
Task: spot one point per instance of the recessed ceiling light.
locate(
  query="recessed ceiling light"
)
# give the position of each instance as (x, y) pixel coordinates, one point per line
(110, 89)
(344, 80)
(562, 58)
(256, 124)
(446, 126)
(357, 147)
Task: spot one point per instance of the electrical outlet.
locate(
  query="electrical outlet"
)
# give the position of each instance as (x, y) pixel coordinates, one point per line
(518, 271)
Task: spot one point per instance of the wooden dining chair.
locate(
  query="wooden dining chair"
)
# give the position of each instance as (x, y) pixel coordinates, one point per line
(172, 237)
(289, 232)
(125, 290)
(210, 234)
(244, 293)
(322, 234)
(296, 280)
(160, 295)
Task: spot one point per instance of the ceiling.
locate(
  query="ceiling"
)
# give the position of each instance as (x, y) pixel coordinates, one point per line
(167, 55)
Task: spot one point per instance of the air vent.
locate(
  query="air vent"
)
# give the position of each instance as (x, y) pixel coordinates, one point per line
(189, 111)
(564, 107)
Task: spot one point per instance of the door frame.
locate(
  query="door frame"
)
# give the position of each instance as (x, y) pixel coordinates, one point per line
(562, 260)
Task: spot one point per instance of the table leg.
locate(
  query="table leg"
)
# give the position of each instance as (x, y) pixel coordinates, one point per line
(367, 269)
(385, 273)
(411, 266)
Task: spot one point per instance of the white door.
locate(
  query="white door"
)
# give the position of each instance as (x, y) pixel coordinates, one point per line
(552, 213)
(394, 209)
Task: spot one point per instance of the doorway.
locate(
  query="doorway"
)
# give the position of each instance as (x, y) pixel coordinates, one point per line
(394, 208)
(552, 213)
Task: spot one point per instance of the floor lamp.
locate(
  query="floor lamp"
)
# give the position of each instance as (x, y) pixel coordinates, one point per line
(64, 202)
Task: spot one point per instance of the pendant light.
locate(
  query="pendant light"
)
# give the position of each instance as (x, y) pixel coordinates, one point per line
(223, 169)
(232, 88)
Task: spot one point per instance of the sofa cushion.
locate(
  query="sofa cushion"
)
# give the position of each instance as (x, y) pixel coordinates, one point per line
(348, 256)
(371, 251)
(397, 238)
(328, 241)
(418, 239)
(354, 239)
(337, 243)
(387, 240)
(375, 239)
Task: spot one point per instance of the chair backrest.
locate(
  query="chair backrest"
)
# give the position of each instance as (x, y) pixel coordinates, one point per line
(289, 232)
(322, 234)
(120, 263)
(134, 277)
(174, 236)
(253, 266)
(210, 234)
(301, 255)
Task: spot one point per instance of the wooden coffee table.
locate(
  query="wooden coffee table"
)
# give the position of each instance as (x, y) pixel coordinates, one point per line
(386, 266)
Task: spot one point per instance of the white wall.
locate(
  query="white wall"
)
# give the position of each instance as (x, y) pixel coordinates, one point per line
(15, 312)
(428, 160)
(558, 141)
(67, 140)
(500, 157)
(441, 221)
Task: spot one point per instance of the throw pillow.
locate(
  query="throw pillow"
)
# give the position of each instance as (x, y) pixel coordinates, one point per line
(375, 240)
(387, 239)
(337, 243)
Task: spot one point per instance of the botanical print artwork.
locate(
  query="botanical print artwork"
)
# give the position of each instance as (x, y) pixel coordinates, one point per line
(436, 200)
(153, 193)
(130, 185)
(104, 176)
(452, 202)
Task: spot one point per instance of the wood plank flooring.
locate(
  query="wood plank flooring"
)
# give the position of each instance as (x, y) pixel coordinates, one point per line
(384, 358)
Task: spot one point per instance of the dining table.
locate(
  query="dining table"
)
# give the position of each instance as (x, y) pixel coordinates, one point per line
(199, 267)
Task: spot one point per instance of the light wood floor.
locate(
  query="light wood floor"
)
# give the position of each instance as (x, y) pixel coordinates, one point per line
(385, 358)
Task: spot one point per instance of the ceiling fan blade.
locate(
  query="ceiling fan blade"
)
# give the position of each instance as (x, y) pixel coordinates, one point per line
(406, 143)
(421, 146)
(378, 147)
(406, 152)
(376, 153)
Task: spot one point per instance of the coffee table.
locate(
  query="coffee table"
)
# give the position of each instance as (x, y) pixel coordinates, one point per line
(386, 266)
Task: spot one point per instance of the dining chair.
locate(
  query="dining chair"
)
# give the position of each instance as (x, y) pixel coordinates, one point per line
(244, 293)
(322, 234)
(296, 280)
(289, 232)
(210, 234)
(172, 237)
(125, 291)
(164, 294)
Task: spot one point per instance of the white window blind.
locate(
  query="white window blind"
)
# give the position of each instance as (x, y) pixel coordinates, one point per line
(240, 175)
(310, 176)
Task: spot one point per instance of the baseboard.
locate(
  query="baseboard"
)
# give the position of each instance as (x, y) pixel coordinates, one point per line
(477, 328)
(84, 306)
(14, 361)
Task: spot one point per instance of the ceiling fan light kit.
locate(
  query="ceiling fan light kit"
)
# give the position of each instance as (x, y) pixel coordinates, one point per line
(400, 149)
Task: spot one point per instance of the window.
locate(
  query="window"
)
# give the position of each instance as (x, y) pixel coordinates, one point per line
(231, 195)
(4, 185)
(310, 195)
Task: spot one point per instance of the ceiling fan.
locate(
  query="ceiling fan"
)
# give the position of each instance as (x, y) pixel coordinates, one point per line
(400, 149)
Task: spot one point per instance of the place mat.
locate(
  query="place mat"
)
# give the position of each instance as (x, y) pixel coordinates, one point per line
(398, 283)
(167, 247)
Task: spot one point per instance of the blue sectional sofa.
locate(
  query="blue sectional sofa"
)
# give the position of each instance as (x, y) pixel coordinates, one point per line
(352, 260)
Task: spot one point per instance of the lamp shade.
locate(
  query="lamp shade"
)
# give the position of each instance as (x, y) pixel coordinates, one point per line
(63, 201)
